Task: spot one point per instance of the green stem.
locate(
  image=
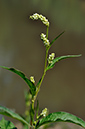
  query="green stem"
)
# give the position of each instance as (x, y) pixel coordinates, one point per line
(46, 50)
(32, 114)
(32, 104)
(47, 32)
(46, 60)
(44, 70)
(41, 79)
(38, 89)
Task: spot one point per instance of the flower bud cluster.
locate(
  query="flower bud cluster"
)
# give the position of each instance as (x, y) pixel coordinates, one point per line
(44, 112)
(51, 58)
(32, 79)
(45, 40)
(37, 16)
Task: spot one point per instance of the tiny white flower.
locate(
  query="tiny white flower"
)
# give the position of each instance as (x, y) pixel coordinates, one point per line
(32, 79)
(44, 112)
(37, 16)
(43, 36)
(51, 58)
(45, 40)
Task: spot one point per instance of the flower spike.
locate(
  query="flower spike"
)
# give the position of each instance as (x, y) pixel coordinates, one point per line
(51, 58)
(45, 40)
(37, 16)
(32, 79)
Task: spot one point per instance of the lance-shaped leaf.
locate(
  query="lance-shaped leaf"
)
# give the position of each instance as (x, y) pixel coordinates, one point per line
(56, 38)
(4, 124)
(61, 117)
(30, 84)
(60, 58)
(7, 112)
(38, 82)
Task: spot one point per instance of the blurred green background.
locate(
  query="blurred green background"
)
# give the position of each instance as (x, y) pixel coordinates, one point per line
(63, 88)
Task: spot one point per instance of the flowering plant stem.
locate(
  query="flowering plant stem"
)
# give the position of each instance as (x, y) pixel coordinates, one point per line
(47, 32)
(38, 89)
(32, 111)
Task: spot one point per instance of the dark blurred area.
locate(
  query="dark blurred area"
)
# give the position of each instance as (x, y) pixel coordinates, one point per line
(63, 88)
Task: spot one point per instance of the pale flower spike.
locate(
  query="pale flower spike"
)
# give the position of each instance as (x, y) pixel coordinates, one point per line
(32, 79)
(51, 58)
(45, 40)
(37, 16)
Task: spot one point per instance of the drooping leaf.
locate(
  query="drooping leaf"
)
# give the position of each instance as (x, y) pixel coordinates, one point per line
(30, 84)
(56, 38)
(10, 113)
(58, 59)
(61, 117)
(4, 124)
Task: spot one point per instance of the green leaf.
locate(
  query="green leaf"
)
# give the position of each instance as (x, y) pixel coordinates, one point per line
(38, 82)
(56, 38)
(30, 84)
(10, 113)
(4, 124)
(61, 117)
(60, 58)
